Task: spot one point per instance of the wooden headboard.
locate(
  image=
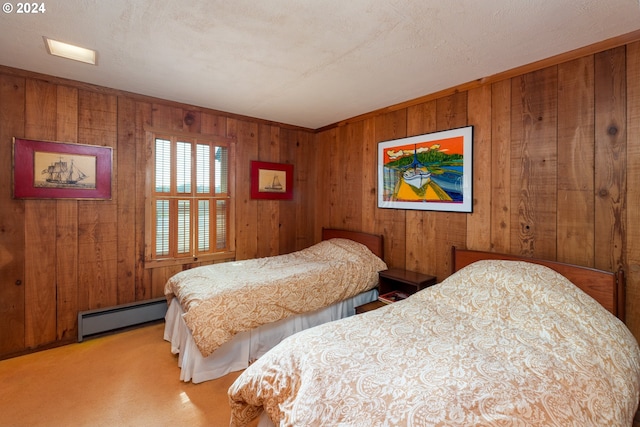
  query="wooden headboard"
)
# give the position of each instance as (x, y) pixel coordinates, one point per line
(605, 287)
(374, 242)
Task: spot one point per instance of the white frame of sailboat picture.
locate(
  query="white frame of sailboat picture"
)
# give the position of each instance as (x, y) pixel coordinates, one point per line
(60, 170)
(427, 172)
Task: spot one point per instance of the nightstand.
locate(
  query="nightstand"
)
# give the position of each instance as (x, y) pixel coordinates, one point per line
(369, 306)
(398, 279)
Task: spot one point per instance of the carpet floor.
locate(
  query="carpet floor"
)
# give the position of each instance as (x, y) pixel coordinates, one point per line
(125, 379)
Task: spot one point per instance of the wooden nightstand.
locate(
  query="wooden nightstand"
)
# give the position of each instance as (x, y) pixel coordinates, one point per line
(398, 279)
(369, 306)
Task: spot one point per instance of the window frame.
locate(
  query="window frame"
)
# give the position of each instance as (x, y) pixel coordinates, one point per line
(150, 259)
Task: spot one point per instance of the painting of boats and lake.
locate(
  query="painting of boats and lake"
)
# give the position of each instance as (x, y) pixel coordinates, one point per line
(64, 170)
(427, 172)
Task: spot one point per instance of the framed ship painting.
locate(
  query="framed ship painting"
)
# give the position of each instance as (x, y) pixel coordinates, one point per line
(57, 170)
(271, 181)
(427, 172)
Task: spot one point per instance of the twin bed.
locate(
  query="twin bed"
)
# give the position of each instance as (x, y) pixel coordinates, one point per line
(502, 341)
(224, 316)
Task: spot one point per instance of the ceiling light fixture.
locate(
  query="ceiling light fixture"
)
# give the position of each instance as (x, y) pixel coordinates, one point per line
(70, 51)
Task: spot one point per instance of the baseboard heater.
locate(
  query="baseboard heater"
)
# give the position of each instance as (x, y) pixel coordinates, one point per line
(108, 319)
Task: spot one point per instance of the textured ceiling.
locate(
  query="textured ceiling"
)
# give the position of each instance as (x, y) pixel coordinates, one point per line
(309, 63)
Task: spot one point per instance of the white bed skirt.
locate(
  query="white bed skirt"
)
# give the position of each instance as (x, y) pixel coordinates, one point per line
(248, 346)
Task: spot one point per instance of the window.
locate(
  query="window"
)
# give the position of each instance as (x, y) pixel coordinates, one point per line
(190, 204)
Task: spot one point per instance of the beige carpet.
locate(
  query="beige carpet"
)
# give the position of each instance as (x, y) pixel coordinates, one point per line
(126, 379)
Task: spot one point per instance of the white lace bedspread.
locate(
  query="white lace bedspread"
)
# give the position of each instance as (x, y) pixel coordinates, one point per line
(221, 300)
(499, 343)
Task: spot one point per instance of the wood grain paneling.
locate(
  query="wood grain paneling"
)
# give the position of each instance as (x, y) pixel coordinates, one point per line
(534, 163)
(287, 209)
(98, 220)
(451, 112)
(12, 220)
(349, 182)
(40, 278)
(479, 222)
(500, 166)
(390, 222)
(126, 199)
(556, 173)
(268, 211)
(305, 148)
(610, 158)
(555, 169)
(67, 226)
(632, 253)
(576, 162)
(421, 225)
(62, 256)
(247, 228)
(142, 276)
(40, 227)
(322, 188)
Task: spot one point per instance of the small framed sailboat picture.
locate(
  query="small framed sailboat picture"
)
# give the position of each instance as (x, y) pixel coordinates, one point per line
(271, 180)
(58, 170)
(427, 172)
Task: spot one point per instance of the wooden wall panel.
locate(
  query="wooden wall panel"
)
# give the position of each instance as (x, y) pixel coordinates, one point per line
(576, 162)
(390, 222)
(610, 158)
(479, 116)
(451, 113)
(98, 220)
(167, 117)
(349, 181)
(247, 228)
(501, 166)
(534, 161)
(323, 185)
(288, 223)
(12, 220)
(633, 188)
(304, 162)
(67, 270)
(333, 180)
(557, 166)
(142, 276)
(40, 227)
(369, 173)
(62, 256)
(126, 183)
(67, 226)
(40, 278)
(421, 225)
(213, 125)
(268, 211)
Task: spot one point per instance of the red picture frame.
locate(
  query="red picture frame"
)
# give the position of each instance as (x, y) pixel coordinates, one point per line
(58, 170)
(272, 181)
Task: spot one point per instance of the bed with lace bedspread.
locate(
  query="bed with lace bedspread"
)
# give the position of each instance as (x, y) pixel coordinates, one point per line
(496, 343)
(222, 300)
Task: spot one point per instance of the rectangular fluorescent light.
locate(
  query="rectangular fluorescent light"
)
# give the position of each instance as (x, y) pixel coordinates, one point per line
(70, 51)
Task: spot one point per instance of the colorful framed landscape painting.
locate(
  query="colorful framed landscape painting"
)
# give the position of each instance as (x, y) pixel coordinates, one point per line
(57, 170)
(427, 172)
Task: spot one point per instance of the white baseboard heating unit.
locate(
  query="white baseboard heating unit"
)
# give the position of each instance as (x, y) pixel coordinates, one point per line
(102, 320)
